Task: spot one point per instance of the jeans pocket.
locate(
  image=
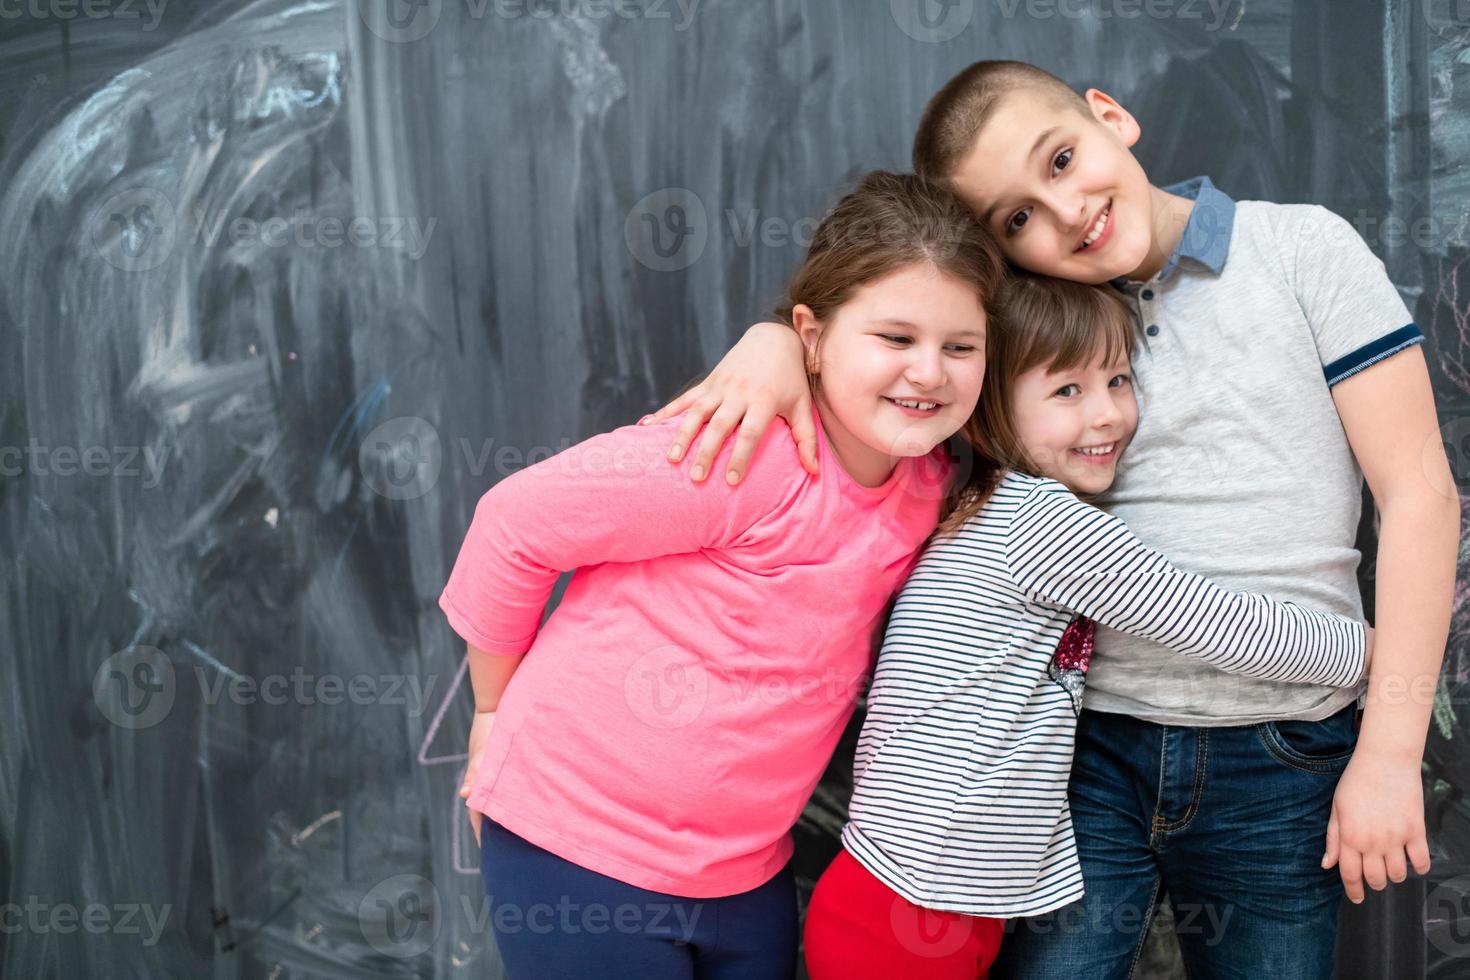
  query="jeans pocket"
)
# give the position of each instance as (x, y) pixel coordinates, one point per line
(1324, 746)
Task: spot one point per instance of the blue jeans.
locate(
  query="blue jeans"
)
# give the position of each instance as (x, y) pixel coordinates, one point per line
(1231, 822)
(555, 919)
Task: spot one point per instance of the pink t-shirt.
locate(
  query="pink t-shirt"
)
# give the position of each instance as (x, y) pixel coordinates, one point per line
(675, 712)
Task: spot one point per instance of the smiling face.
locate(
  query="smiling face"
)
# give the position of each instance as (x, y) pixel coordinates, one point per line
(899, 367)
(1074, 424)
(1061, 191)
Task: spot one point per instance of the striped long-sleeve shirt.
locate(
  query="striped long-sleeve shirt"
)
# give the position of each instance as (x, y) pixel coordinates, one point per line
(960, 779)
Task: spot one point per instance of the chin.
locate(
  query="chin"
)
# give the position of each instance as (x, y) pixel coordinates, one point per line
(910, 445)
(910, 442)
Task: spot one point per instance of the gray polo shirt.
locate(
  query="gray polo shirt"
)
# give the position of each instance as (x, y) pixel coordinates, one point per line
(1240, 469)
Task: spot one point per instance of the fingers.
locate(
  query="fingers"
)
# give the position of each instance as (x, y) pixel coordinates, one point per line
(715, 433)
(1350, 866)
(1419, 852)
(474, 824)
(757, 418)
(695, 417)
(1329, 857)
(805, 431)
(1395, 865)
(673, 408)
(1374, 871)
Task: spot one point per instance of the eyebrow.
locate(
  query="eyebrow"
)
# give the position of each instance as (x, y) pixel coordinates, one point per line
(1041, 138)
(895, 322)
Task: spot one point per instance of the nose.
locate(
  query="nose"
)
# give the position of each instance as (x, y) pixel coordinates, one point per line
(925, 367)
(1069, 206)
(1103, 411)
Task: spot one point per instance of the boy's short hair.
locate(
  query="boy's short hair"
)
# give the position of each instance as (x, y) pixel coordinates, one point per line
(958, 111)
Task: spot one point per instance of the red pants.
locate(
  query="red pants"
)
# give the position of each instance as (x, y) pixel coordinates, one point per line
(858, 927)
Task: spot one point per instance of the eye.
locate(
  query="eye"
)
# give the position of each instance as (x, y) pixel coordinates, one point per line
(1063, 389)
(894, 338)
(1059, 163)
(962, 348)
(1123, 379)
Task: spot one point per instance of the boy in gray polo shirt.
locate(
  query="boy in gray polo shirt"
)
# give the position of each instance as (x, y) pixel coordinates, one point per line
(1276, 368)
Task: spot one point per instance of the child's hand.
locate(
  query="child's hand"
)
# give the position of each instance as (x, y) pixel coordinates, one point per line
(479, 735)
(1377, 816)
(1367, 650)
(762, 376)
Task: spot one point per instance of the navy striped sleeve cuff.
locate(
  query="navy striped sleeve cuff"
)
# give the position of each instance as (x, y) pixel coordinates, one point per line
(1370, 354)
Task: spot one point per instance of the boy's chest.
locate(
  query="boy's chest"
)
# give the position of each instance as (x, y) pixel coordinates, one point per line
(1216, 358)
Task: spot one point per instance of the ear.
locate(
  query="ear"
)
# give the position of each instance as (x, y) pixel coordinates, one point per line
(1111, 115)
(809, 329)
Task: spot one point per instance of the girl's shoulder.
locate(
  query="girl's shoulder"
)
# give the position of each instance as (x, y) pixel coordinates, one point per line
(1021, 497)
(1023, 485)
(1014, 493)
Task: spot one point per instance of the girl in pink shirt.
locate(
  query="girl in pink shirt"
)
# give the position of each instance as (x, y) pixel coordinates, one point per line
(638, 760)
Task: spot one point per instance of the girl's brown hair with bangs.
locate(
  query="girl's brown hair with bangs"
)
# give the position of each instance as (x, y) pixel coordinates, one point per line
(889, 221)
(1040, 321)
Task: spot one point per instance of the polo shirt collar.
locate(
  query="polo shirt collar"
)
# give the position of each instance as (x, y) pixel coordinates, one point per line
(1206, 237)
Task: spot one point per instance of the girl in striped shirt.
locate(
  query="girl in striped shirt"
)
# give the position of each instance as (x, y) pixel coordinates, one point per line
(959, 816)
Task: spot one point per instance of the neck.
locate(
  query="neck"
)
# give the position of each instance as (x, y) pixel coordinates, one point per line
(1170, 213)
(866, 465)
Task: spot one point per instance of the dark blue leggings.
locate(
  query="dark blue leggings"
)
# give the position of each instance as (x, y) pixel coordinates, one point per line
(554, 919)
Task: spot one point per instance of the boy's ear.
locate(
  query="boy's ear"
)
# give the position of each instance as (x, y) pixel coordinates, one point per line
(1111, 115)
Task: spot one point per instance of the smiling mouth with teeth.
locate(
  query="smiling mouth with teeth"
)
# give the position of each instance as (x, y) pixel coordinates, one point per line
(1104, 450)
(1097, 227)
(911, 403)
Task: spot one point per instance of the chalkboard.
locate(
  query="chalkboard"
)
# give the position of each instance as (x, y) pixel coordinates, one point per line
(287, 285)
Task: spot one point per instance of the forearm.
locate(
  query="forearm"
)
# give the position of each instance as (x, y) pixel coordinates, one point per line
(1090, 562)
(490, 673)
(1417, 547)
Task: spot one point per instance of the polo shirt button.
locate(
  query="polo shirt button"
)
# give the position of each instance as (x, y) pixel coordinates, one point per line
(1148, 294)
(1153, 329)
